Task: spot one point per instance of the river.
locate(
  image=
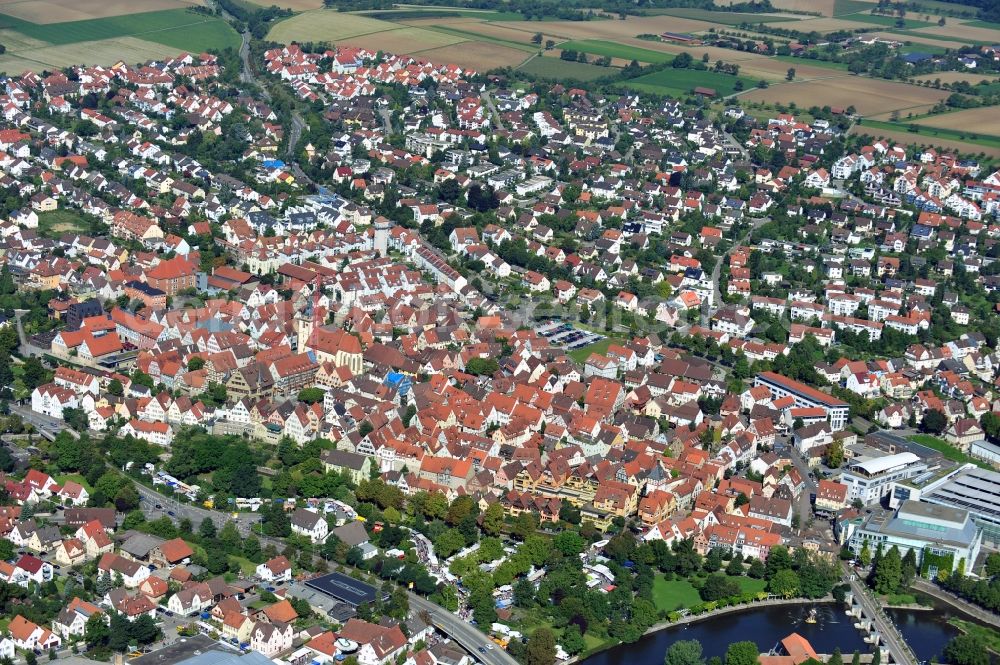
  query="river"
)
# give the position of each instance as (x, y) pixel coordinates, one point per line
(926, 631)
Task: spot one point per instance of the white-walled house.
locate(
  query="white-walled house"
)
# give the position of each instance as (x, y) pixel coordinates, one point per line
(278, 569)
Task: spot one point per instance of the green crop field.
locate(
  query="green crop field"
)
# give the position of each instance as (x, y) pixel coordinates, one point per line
(477, 37)
(927, 134)
(178, 28)
(682, 81)
(940, 38)
(554, 68)
(984, 24)
(410, 13)
(722, 18)
(841, 7)
(814, 62)
(614, 50)
(931, 6)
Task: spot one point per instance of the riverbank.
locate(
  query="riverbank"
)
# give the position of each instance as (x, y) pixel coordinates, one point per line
(705, 616)
(951, 599)
(772, 602)
(989, 636)
(766, 625)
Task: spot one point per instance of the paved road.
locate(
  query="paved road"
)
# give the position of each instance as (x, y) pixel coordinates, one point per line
(298, 125)
(27, 348)
(46, 425)
(196, 514)
(386, 115)
(803, 505)
(899, 651)
(493, 110)
(744, 153)
(461, 632)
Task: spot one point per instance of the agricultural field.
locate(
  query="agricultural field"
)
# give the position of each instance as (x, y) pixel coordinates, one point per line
(171, 27)
(985, 120)
(775, 68)
(482, 30)
(133, 39)
(825, 25)
(917, 38)
(327, 25)
(824, 7)
(294, 5)
(405, 13)
(963, 32)
(841, 7)
(939, 138)
(466, 35)
(14, 41)
(944, 77)
(54, 11)
(612, 30)
(480, 56)
(404, 40)
(723, 18)
(888, 21)
(614, 50)
(933, 6)
(105, 52)
(682, 81)
(868, 96)
(554, 68)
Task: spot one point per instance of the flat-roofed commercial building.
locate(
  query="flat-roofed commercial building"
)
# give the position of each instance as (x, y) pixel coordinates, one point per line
(871, 479)
(975, 490)
(837, 411)
(939, 536)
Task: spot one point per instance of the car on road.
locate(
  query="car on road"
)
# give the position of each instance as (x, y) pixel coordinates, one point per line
(489, 646)
(481, 650)
(171, 513)
(159, 507)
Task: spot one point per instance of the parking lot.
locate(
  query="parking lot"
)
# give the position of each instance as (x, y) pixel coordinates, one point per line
(567, 335)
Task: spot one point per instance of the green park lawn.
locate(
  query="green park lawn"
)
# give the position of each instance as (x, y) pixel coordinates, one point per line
(672, 595)
(580, 355)
(76, 478)
(949, 451)
(750, 585)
